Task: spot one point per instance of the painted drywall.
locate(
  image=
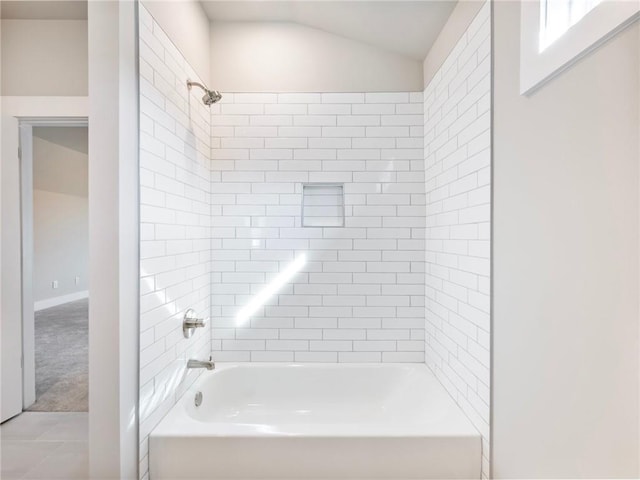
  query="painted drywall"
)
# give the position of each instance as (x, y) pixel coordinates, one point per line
(175, 217)
(565, 306)
(44, 57)
(44, 10)
(406, 28)
(457, 148)
(60, 224)
(60, 160)
(359, 296)
(288, 57)
(186, 23)
(456, 26)
(60, 211)
(113, 240)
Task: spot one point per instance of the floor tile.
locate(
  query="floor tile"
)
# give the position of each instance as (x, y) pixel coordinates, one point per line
(29, 426)
(45, 446)
(61, 465)
(73, 447)
(73, 428)
(19, 456)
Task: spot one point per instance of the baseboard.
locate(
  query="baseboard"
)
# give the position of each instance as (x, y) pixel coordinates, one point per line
(55, 301)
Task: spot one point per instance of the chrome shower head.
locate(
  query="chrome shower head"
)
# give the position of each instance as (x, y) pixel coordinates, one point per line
(210, 96)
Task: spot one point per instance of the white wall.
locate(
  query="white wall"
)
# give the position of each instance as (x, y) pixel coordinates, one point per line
(60, 244)
(60, 211)
(44, 57)
(461, 17)
(113, 240)
(287, 57)
(60, 162)
(360, 296)
(175, 216)
(457, 114)
(185, 22)
(565, 367)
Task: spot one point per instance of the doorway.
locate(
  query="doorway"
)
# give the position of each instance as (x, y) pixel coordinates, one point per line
(51, 420)
(60, 254)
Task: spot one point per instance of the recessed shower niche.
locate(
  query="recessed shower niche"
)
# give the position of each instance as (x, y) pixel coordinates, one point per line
(322, 205)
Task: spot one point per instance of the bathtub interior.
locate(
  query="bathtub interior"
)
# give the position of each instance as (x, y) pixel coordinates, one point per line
(322, 399)
(316, 394)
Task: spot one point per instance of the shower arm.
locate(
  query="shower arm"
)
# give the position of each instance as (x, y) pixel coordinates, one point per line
(210, 96)
(190, 84)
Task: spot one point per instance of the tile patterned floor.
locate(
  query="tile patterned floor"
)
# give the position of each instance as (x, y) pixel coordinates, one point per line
(42, 445)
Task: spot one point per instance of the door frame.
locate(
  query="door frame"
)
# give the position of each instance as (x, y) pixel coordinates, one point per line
(26, 125)
(13, 110)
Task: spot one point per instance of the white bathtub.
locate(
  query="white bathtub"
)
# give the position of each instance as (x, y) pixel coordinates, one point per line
(275, 421)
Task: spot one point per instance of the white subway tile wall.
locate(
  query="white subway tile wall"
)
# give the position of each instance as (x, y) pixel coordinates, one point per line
(221, 226)
(360, 295)
(457, 110)
(175, 225)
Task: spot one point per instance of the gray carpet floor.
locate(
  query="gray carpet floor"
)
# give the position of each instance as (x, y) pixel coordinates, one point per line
(62, 358)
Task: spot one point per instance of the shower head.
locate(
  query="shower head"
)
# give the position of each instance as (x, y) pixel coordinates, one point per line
(210, 96)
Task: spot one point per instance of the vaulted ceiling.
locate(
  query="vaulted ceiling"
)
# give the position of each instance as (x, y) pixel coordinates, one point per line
(405, 27)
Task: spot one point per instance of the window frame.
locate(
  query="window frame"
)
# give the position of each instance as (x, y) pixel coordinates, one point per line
(596, 27)
(569, 6)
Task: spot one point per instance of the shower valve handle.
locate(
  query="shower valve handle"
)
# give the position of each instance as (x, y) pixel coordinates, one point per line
(191, 322)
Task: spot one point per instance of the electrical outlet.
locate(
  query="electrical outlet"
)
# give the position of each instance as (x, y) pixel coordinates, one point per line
(77, 280)
(54, 284)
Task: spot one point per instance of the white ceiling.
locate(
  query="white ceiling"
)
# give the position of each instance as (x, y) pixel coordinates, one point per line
(43, 10)
(405, 27)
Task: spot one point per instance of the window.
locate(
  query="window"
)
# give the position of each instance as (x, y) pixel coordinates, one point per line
(558, 16)
(554, 34)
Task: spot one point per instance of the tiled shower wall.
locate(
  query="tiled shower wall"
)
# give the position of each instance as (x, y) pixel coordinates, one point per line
(221, 195)
(175, 229)
(458, 186)
(360, 296)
